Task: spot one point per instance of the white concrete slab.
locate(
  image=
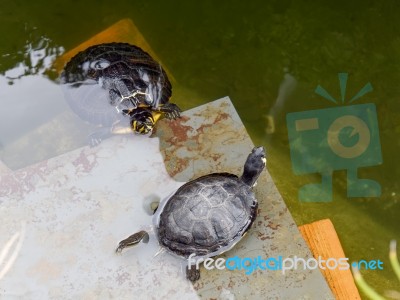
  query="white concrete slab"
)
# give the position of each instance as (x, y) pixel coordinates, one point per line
(61, 219)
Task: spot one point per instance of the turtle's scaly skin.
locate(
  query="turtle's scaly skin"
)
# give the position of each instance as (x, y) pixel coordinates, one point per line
(207, 214)
(131, 77)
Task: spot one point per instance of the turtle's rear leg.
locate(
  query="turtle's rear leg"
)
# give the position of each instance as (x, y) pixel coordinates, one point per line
(192, 273)
(133, 240)
(171, 110)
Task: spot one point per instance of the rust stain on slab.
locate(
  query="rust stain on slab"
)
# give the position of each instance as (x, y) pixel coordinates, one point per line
(212, 138)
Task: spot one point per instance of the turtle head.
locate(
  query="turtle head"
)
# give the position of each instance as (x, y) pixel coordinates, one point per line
(142, 120)
(254, 165)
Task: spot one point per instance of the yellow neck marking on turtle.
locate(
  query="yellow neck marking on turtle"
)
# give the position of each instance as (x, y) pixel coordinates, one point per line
(156, 116)
(134, 125)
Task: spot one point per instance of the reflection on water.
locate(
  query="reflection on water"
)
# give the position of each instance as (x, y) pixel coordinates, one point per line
(36, 59)
(35, 122)
(28, 98)
(286, 88)
(31, 102)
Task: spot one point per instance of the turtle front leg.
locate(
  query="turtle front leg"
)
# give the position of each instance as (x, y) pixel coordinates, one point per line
(95, 138)
(103, 133)
(133, 240)
(171, 110)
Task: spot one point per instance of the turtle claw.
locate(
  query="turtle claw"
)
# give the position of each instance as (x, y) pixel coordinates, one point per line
(171, 111)
(172, 116)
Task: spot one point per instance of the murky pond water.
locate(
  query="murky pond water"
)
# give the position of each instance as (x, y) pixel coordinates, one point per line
(268, 57)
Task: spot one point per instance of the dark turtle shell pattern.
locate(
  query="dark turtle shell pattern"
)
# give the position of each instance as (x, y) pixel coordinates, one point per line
(119, 74)
(206, 215)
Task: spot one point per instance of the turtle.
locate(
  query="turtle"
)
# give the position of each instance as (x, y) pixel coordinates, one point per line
(107, 82)
(206, 216)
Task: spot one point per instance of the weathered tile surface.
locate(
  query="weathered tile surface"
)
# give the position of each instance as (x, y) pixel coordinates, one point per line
(70, 212)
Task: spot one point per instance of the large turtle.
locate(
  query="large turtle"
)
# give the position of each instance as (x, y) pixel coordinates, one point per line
(206, 216)
(108, 81)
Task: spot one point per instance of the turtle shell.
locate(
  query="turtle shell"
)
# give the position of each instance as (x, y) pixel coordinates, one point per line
(119, 74)
(207, 216)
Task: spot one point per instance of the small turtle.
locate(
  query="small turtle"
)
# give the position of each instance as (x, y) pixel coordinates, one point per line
(107, 81)
(206, 216)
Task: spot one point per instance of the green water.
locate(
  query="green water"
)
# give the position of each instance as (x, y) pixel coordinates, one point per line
(243, 50)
